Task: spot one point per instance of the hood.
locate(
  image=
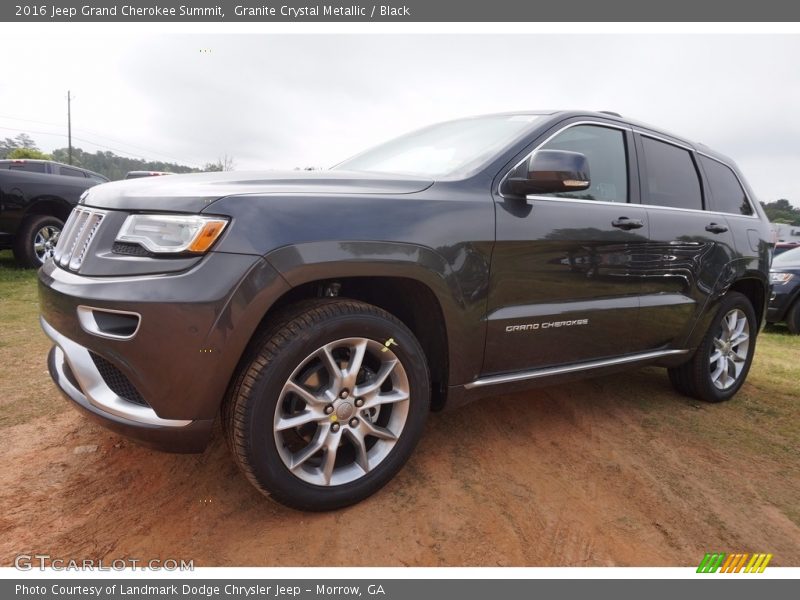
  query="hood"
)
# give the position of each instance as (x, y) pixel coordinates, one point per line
(194, 192)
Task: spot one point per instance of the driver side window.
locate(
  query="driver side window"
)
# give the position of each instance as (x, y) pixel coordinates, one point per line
(605, 152)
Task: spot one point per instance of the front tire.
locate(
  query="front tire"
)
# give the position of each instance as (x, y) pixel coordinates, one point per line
(328, 405)
(36, 239)
(722, 361)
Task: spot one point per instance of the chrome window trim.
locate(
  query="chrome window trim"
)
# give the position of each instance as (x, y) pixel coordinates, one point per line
(658, 138)
(580, 201)
(89, 323)
(642, 132)
(562, 370)
(694, 210)
(632, 204)
(550, 137)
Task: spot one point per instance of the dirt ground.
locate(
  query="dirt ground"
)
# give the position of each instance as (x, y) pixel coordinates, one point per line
(619, 470)
(574, 475)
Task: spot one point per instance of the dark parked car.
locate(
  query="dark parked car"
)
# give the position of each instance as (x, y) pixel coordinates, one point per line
(36, 197)
(784, 305)
(50, 167)
(325, 313)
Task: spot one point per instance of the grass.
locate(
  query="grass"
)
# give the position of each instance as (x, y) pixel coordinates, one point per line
(25, 388)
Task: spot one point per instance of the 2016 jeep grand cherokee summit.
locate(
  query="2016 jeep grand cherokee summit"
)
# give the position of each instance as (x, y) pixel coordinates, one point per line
(325, 313)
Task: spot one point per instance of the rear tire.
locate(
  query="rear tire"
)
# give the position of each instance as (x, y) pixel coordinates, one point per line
(35, 240)
(793, 318)
(722, 361)
(328, 405)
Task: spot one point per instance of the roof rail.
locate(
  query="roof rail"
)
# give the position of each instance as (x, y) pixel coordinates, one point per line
(612, 113)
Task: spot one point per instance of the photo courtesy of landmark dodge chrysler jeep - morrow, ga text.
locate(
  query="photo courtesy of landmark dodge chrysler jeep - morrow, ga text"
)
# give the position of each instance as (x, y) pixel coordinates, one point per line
(324, 314)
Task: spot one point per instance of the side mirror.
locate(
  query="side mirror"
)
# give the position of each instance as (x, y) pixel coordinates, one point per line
(548, 172)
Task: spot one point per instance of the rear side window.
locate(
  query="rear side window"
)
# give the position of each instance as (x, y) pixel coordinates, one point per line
(672, 178)
(28, 167)
(604, 149)
(726, 191)
(71, 172)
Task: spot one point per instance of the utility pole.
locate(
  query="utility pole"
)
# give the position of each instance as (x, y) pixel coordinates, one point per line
(69, 125)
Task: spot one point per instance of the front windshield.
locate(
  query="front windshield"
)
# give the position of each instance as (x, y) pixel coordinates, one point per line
(790, 257)
(442, 150)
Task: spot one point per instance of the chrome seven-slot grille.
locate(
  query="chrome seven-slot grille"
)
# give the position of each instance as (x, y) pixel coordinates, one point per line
(74, 240)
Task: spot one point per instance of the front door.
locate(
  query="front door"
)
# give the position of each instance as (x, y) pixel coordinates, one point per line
(565, 276)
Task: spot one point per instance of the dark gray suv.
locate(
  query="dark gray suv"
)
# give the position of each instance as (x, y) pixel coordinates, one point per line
(324, 314)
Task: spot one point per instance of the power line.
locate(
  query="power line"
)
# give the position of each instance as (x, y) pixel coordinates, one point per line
(101, 136)
(96, 134)
(129, 154)
(124, 152)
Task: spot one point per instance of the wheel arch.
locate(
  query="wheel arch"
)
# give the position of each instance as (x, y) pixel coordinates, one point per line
(411, 282)
(756, 289)
(48, 205)
(754, 285)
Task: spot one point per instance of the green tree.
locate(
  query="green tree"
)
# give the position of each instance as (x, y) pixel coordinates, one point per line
(23, 140)
(28, 153)
(782, 211)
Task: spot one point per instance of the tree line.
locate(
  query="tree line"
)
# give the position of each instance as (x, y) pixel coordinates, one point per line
(782, 211)
(106, 163)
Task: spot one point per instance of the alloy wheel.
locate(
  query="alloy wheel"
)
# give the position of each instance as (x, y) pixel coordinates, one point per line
(729, 349)
(341, 411)
(44, 242)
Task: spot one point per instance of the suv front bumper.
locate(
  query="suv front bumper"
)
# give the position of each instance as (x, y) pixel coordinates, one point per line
(103, 405)
(162, 385)
(782, 298)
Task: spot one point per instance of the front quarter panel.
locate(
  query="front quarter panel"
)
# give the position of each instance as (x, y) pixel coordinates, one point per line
(441, 238)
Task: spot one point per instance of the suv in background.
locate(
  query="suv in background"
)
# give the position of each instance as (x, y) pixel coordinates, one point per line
(325, 313)
(50, 167)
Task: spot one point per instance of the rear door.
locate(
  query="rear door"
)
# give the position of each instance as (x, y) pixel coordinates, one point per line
(564, 285)
(690, 246)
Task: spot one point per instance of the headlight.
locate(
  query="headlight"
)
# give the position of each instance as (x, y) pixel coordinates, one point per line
(780, 278)
(171, 234)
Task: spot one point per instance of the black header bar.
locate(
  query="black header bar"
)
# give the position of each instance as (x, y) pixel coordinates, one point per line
(407, 11)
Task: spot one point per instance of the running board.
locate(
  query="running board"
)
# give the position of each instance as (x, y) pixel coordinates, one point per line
(587, 366)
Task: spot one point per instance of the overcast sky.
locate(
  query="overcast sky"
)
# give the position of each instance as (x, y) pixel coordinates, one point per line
(285, 101)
